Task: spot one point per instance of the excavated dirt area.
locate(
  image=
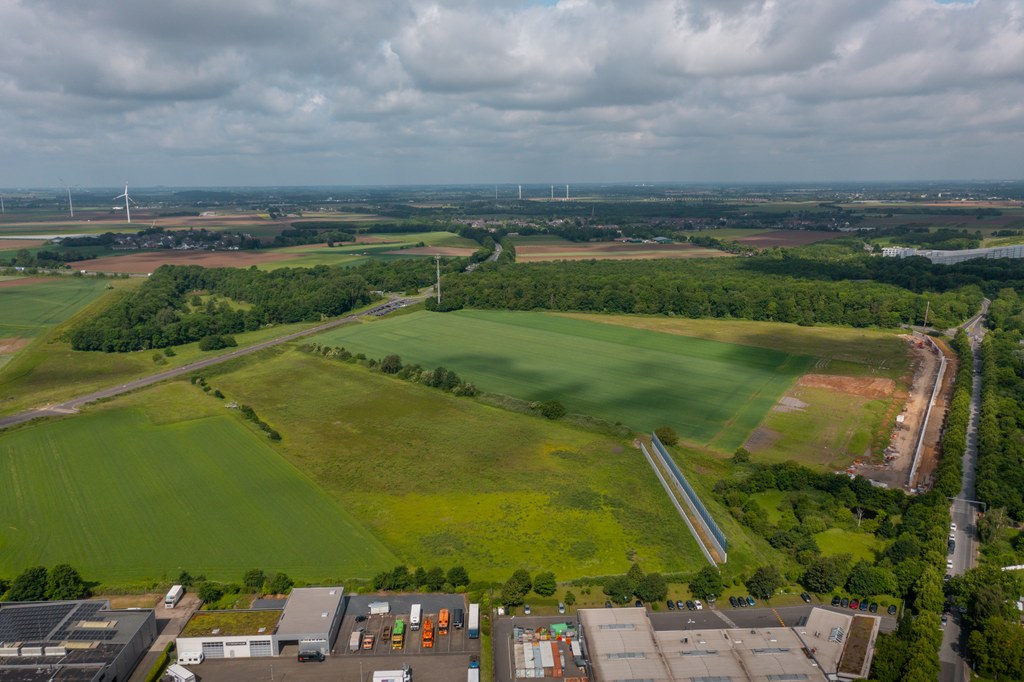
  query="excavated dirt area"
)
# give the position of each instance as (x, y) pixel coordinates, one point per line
(866, 387)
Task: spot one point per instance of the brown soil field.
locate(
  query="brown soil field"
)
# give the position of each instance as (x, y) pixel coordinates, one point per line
(12, 344)
(375, 239)
(612, 251)
(23, 281)
(866, 387)
(16, 244)
(772, 238)
(151, 260)
(433, 251)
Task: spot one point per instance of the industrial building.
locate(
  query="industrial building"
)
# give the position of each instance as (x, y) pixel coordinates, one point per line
(941, 257)
(622, 644)
(72, 641)
(310, 621)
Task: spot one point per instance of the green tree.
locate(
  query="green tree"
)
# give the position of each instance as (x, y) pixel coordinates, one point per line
(634, 575)
(435, 579)
(254, 579)
(280, 583)
(667, 435)
(619, 589)
(552, 409)
(458, 576)
(419, 577)
(545, 584)
(30, 585)
(998, 649)
(391, 364)
(570, 598)
(929, 596)
(210, 592)
(867, 579)
(652, 588)
(991, 522)
(515, 589)
(65, 582)
(764, 582)
(825, 573)
(707, 582)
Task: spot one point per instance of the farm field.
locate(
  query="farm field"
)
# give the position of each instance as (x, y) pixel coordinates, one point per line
(712, 393)
(783, 238)
(130, 492)
(443, 480)
(547, 248)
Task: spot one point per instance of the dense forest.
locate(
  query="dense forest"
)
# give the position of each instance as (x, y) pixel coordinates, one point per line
(752, 288)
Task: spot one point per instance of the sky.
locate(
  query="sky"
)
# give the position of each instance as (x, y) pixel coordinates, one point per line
(340, 92)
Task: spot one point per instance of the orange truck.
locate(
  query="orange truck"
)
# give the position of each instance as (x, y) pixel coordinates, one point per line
(442, 622)
(428, 633)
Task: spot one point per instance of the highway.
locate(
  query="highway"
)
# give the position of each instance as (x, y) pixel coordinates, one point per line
(964, 513)
(72, 406)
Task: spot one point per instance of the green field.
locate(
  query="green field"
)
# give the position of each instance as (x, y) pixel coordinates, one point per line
(38, 304)
(444, 480)
(838, 541)
(307, 256)
(712, 393)
(128, 492)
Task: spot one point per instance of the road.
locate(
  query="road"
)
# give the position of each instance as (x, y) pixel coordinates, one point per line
(72, 406)
(964, 513)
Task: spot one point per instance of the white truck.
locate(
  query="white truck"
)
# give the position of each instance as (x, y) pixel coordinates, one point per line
(393, 675)
(355, 640)
(180, 674)
(174, 596)
(414, 617)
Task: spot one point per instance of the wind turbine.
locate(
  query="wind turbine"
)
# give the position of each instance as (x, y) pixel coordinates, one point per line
(71, 207)
(127, 208)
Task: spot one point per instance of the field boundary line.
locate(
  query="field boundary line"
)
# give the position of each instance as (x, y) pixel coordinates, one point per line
(679, 507)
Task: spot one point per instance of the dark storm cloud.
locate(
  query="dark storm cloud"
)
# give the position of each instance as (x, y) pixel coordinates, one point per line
(302, 91)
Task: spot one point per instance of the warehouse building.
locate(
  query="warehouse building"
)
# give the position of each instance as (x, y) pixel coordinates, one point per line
(942, 257)
(310, 621)
(621, 644)
(72, 641)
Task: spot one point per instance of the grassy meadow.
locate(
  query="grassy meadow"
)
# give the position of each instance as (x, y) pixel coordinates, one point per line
(444, 480)
(712, 393)
(310, 255)
(166, 480)
(32, 305)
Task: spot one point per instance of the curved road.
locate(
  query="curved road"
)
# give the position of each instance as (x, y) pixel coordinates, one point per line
(72, 406)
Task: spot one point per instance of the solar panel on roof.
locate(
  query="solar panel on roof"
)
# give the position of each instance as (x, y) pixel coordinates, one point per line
(36, 621)
(91, 635)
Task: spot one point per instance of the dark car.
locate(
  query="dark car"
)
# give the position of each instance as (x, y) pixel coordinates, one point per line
(360, 618)
(854, 603)
(750, 601)
(607, 604)
(863, 604)
(311, 656)
(679, 604)
(952, 546)
(835, 601)
(873, 608)
(690, 605)
(732, 602)
(806, 597)
(891, 610)
(844, 602)
(671, 605)
(639, 604)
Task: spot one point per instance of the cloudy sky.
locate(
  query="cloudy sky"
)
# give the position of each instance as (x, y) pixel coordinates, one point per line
(233, 92)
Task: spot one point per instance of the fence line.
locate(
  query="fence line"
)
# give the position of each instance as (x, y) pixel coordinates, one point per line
(715, 533)
(679, 508)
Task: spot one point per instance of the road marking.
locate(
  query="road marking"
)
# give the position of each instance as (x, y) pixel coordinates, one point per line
(725, 619)
(778, 616)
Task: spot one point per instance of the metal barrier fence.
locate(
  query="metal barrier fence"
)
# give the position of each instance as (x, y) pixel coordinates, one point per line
(703, 515)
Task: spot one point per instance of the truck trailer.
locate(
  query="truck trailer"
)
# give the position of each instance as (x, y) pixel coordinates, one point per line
(393, 675)
(174, 596)
(474, 621)
(414, 617)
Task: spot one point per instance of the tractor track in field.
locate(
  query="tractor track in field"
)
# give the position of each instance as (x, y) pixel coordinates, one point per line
(72, 406)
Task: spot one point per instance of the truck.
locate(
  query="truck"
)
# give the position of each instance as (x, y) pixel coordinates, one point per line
(174, 596)
(442, 622)
(367, 641)
(428, 633)
(458, 619)
(180, 674)
(398, 634)
(404, 675)
(473, 675)
(379, 608)
(355, 640)
(474, 621)
(577, 653)
(414, 617)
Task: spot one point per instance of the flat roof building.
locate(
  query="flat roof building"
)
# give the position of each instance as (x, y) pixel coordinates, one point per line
(622, 644)
(72, 641)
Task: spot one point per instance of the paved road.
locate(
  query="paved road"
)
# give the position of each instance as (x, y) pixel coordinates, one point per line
(964, 513)
(72, 406)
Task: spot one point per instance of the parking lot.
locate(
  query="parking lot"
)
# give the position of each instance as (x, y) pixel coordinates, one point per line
(358, 619)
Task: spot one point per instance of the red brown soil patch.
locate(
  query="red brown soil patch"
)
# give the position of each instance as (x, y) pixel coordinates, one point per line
(24, 281)
(151, 260)
(17, 244)
(374, 239)
(772, 238)
(434, 251)
(865, 387)
(612, 250)
(12, 345)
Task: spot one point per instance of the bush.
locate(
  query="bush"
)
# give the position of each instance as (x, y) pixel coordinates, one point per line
(552, 409)
(667, 435)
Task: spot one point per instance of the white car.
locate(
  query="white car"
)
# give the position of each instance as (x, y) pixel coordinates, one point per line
(952, 536)
(696, 602)
(952, 527)
(949, 564)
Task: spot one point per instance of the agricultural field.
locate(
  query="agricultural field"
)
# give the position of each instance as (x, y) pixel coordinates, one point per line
(166, 480)
(785, 238)
(537, 248)
(713, 393)
(445, 480)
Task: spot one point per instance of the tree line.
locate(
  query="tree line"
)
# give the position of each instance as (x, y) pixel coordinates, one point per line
(38, 583)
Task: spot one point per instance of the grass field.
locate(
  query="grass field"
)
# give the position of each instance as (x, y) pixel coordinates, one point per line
(130, 491)
(31, 306)
(838, 541)
(370, 247)
(444, 480)
(712, 393)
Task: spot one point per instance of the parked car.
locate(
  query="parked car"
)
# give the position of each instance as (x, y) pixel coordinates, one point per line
(561, 607)
(690, 605)
(854, 603)
(360, 618)
(607, 604)
(835, 601)
(863, 604)
(873, 608)
(638, 603)
(952, 527)
(945, 619)
(679, 604)
(891, 610)
(750, 601)
(732, 602)
(671, 605)
(526, 609)
(698, 604)
(949, 564)
(844, 602)
(806, 597)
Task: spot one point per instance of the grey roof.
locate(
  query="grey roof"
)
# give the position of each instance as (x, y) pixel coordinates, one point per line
(309, 610)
